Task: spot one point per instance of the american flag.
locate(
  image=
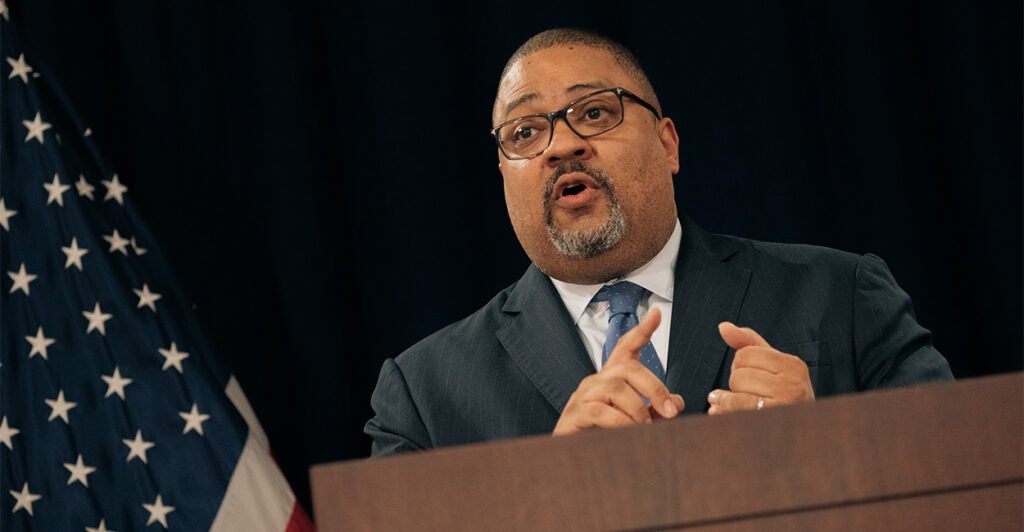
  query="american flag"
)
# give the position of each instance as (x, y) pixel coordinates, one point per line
(114, 413)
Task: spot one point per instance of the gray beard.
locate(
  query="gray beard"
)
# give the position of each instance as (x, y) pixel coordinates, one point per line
(588, 243)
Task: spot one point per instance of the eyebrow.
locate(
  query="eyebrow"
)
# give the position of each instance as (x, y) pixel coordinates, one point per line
(533, 95)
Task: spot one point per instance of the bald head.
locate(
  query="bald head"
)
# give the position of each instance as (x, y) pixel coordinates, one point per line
(569, 37)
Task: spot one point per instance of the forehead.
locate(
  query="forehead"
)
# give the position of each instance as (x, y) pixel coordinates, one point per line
(548, 79)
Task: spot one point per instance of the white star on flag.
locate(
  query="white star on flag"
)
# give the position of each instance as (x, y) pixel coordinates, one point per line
(138, 447)
(97, 320)
(5, 215)
(84, 188)
(114, 189)
(83, 200)
(117, 242)
(74, 254)
(157, 511)
(36, 128)
(193, 420)
(6, 431)
(21, 279)
(59, 407)
(56, 190)
(102, 527)
(19, 68)
(147, 298)
(115, 383)
(25, 499)
(79, 472)
(39, 343)
(173, 357)
(139, 251)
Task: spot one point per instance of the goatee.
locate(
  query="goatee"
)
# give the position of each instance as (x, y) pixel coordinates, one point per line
(587, 243)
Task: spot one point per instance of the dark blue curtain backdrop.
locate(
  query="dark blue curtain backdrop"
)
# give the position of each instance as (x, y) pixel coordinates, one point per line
(317, 171)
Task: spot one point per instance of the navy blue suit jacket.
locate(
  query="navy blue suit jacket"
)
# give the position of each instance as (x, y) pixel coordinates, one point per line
(509, 368)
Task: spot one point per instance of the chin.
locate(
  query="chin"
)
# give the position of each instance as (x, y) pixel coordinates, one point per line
(599, 268)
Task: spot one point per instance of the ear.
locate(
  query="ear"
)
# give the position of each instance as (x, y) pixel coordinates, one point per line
(669, 142)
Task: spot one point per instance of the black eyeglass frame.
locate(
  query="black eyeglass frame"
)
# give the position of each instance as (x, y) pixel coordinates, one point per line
(562, 113)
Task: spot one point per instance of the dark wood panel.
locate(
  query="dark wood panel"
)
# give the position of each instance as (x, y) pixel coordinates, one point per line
(991, 509)
(697, 470)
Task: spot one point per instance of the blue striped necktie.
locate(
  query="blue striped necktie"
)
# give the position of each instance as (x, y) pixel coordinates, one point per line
(623, 299)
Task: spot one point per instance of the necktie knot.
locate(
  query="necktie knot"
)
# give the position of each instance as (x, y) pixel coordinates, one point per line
(622, 297)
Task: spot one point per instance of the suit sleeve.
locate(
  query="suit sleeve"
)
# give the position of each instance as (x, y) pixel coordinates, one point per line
(892, 348)
(397, 426)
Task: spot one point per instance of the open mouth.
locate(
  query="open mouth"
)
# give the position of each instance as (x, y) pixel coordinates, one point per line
(574, 189)
(574, 184)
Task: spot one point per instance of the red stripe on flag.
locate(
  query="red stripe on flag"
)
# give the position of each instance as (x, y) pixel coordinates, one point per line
(299, 521)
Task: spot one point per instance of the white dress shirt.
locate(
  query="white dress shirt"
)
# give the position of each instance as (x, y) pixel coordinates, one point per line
(591, 318)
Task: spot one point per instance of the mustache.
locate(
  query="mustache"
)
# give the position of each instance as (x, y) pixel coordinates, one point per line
(576, 166)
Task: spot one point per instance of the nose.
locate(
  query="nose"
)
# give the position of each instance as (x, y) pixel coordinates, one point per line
(566, 144)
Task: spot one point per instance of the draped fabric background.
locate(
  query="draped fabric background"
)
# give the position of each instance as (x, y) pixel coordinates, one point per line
(319, 173)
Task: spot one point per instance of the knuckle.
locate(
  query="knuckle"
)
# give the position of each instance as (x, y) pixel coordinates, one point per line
(587, 382)
(613, 369)
(793, 360)
(735, 379)
(659, 390)
(640, 413)
(747, 356)
(617, 386)
(623, 369)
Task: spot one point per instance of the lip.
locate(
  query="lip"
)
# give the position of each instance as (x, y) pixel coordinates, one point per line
(580, 199)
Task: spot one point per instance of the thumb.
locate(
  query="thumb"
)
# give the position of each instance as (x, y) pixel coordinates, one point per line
(635, 339)
(740, 337)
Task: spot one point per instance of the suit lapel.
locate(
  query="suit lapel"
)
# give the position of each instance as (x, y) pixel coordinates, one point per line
(542, 339)
(708, 290)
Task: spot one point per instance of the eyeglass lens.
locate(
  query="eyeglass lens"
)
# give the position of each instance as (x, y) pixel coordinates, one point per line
(592, 116)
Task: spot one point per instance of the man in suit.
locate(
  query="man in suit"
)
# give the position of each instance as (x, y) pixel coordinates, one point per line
(588, 163)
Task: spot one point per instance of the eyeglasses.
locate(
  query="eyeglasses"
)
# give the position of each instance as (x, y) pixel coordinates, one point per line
(588, 116)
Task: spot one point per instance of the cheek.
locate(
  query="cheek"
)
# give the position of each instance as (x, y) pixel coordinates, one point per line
(521, 192)
(648, 185)
(656, 167)
(521, 201)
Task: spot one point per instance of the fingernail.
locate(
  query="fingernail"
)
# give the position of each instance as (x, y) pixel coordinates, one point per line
(713, 410)
(713, 397)
(670, 408)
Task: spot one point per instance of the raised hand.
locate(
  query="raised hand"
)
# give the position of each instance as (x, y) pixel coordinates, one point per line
(762, 376)
(614, 396)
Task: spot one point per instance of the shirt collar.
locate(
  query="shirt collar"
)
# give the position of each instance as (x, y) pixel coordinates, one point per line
(657, 276)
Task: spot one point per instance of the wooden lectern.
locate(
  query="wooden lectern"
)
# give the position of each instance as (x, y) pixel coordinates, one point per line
(934, 457)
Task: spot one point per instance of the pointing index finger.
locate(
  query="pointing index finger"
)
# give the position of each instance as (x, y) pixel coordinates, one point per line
(640, 378)
(635, 339)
